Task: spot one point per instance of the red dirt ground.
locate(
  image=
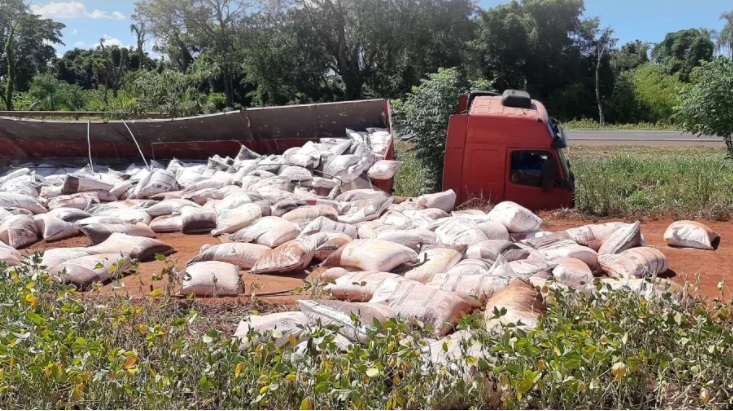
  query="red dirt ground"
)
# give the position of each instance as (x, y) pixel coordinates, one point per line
(187, 246)
(685, 264)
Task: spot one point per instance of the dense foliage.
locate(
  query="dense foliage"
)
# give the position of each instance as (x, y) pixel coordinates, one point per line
(705, 105)
(645, 94)
(252, 53)
(60, 349)
(682, 51)
(423, 119)
(26, 46)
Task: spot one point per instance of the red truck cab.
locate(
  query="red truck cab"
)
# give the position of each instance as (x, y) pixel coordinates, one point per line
(506, 148)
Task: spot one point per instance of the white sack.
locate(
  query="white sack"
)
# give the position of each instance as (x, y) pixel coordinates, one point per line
(515, 218)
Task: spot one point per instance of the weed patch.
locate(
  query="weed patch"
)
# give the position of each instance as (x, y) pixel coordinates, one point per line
(410, 179)
(588, 124)
(610, 350)
(653, 181)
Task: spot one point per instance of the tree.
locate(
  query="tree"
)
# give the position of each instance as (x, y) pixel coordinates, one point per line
(10, 81)
(109, 66)
(440, 34)
(353, 48)
(709, 34)
(281, 70)
(504, 45)
(645, 94)
(546, 48)
(50, 94)
(603, 43)
(725, 37)
(683, 50)
(423, 118)
(140, 33)
(33, 42)
(196, 27)
(11, 12)
(355, 36)
(81, 67)
(631, 55)
(172, 92)
(704, 107)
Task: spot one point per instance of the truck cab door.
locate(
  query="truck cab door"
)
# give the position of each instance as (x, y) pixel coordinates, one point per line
(534, 179)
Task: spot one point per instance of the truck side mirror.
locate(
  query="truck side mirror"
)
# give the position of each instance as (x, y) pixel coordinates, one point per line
(549, 174)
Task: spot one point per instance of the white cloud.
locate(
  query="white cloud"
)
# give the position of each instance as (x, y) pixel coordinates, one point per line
(74, 32)
(80, 44)
(73, 10)
(111, 41)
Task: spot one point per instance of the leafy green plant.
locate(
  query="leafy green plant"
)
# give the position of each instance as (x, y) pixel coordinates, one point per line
(704, 105)
(619, 350)
(646, 94)
(422, 118)
(174, 93)
(7, 94)
(682, 51)
(616, 349)
(49, 94)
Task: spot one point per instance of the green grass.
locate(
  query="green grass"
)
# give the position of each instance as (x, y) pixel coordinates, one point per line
(409, 181)
(625, 180)
(618, 181)
(588, 124)
(59, 349)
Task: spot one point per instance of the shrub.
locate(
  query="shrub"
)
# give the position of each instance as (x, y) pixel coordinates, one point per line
(62, 349)
(49, 94)
(705, 105)
(423, 119)
(620, 351)
(590, 124)
(646, 94)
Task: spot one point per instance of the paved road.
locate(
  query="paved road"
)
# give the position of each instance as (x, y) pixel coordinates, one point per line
(624, 137)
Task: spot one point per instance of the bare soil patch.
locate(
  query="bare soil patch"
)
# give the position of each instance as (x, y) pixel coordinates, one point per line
(707, 268)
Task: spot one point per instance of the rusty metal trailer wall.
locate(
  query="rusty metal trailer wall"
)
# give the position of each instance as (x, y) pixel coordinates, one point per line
(265, 130)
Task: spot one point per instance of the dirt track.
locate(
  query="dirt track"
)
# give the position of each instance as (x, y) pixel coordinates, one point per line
(685, 264)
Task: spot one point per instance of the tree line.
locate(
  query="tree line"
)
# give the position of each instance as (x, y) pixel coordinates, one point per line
(231, 54)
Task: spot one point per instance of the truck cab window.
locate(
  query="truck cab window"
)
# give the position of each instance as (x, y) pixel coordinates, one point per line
(526, 167)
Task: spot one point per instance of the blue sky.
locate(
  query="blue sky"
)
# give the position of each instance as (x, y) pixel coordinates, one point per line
(89, 20)
(650, 20)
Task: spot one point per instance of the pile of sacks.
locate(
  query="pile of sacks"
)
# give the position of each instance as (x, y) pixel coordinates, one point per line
(424, 263)
(271, 195)
(417, 259)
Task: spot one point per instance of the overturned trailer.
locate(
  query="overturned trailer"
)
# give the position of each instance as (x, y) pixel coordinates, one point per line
(279, 214)
(269, 130)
